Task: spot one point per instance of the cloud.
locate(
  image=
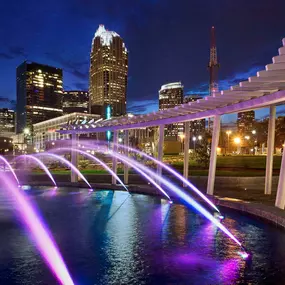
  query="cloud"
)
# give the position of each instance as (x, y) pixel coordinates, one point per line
(225, 84)
(17, 51)
(81, 86)
(143, 107)
(13, 52)
(78, 68)
(7, 102)
(80, 74)
(6, 55)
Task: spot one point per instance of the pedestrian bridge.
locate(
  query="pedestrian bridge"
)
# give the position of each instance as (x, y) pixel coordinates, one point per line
(266, 89)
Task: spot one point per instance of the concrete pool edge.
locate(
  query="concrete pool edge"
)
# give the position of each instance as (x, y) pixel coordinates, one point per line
(267, 213)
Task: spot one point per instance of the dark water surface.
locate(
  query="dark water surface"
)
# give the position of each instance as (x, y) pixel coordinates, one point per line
(115, 238)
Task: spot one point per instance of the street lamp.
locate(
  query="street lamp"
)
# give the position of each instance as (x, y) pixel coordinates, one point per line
(194, 140)
(199, 138)
(182, 136)
(247, 137)
(228, 133)
(237, 141)
(254, 132)
(26, 131)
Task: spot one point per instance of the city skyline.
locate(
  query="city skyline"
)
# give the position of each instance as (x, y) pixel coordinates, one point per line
(159, 50)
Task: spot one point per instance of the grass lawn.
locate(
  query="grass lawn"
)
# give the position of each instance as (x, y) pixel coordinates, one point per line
(242, 161)
(244, 166)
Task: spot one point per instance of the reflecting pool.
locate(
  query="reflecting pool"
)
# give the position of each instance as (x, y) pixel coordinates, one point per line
(114, 238)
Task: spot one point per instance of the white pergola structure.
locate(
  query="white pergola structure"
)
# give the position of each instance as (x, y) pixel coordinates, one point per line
(266, 89)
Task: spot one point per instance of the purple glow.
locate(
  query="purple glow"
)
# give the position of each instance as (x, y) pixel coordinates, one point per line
(176, 174)
(66, 162)
(244, 255)
(137, 168)
(43, 240)
(183, 196)
(40, 163)
(10, 167)
(97, 160)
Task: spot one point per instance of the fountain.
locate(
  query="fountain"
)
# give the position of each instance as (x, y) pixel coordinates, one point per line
(40, 233)
(41, 236)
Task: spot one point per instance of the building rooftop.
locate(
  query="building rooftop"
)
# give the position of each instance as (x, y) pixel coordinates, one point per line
(106, 36)
(172, 85)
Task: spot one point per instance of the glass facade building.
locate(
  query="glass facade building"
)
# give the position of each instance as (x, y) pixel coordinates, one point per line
(245, 122)
(75, 101)
(171, 95)
(197, 127)
(7, 121)
(39, 94)
(108, 73)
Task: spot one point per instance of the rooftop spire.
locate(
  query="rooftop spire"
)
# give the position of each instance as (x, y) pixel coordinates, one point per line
(213, 64)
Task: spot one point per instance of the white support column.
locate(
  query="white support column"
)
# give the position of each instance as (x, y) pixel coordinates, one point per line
(160, 148)
(270, 150)
(114, 161)
(126, 167)
(213, 158)
(186, 150)
(74, 157)
(280, 198)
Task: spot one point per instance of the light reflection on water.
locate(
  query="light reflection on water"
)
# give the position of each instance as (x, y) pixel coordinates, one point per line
(116, 238)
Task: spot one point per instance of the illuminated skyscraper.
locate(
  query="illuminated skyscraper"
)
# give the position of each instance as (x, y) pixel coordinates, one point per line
(171, 95)
(75, 101)
(197, 127)
(245, 122)
(39, 94)
(7, 121)
(108, 73)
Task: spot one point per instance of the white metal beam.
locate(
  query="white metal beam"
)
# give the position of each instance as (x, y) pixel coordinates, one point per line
(270, 150)
(114, 159)
(213, 158)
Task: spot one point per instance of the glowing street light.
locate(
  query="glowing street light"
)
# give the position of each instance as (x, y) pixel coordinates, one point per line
(182, 136)
(199, 138)
(228, 132)
(247, 137)
(26, 131)
(254, 132)
(194, 140)
(237, 140)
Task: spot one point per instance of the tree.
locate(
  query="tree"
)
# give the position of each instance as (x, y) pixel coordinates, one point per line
(203, 150)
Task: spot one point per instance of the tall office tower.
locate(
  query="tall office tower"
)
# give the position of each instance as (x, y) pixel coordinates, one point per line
(39, 94)
(108, 73)
(213, 65)
(75, 101)
(197, 127)
(245, 123)
(171, 95)
(213, 69)
(7, 121)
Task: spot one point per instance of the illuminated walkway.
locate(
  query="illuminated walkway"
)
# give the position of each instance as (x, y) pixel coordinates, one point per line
(266, 89)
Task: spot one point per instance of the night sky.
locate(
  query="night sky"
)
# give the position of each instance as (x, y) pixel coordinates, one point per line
(167, 41)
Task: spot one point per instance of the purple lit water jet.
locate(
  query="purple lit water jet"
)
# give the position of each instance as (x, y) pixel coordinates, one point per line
(175, 173)
(66, 162)
(10, 167)
(40, 234)
(180, 194)
(40, 163)
(105, 166)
